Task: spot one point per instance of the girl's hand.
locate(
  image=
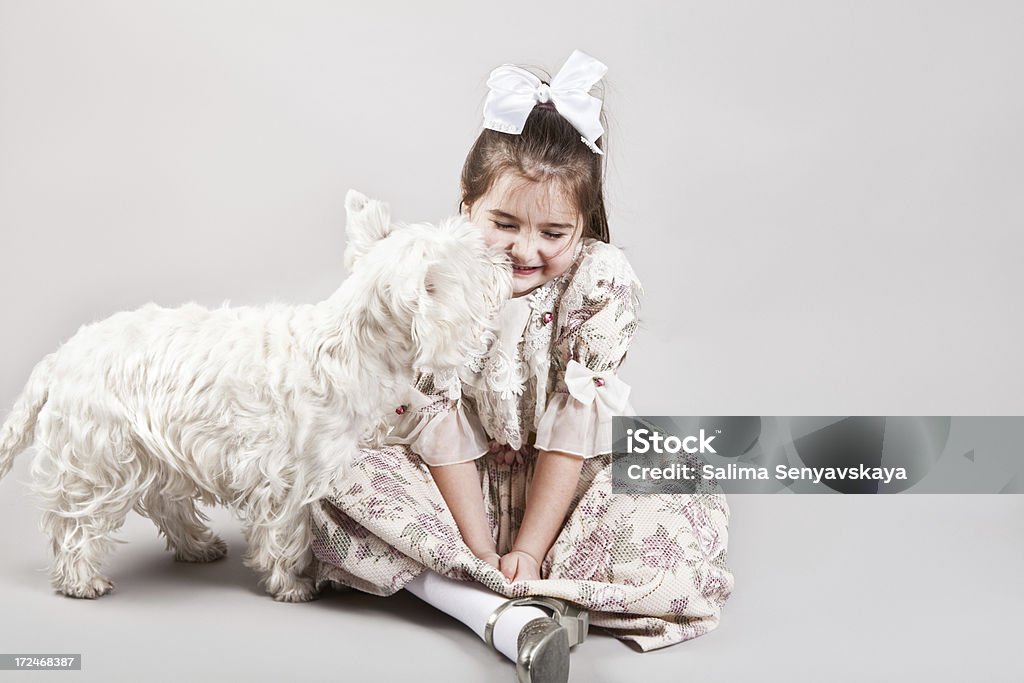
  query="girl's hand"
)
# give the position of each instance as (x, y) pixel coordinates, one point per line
(518, 565)
(505, 455)
(490, 557)
(487, 553)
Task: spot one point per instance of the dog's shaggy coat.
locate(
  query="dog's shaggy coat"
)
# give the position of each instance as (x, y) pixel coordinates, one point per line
(256, 408)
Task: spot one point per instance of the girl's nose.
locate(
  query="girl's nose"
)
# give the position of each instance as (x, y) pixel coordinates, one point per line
(522, 248)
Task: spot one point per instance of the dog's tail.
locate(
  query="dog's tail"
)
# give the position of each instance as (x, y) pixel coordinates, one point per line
(18, 431)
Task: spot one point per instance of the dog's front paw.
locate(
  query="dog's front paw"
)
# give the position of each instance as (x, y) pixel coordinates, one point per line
(300, 591)
(89, 590)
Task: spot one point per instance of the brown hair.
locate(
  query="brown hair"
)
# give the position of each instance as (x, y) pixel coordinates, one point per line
(549, 148)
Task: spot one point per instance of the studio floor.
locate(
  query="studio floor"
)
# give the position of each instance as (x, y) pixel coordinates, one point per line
(828, 588)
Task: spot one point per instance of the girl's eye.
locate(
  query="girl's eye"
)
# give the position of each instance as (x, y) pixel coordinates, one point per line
(554, 235)
(504, 226)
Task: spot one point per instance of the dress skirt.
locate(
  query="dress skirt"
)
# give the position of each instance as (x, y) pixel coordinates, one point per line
(651, 569)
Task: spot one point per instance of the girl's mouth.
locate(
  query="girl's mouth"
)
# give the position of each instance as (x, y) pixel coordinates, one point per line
(524, 270)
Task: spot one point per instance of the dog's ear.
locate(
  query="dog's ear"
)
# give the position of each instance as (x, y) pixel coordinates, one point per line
(367, 220)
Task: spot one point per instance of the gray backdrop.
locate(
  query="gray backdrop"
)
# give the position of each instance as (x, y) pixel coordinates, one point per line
(823, 201)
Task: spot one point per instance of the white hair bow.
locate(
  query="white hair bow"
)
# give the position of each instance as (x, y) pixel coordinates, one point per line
(514, 92)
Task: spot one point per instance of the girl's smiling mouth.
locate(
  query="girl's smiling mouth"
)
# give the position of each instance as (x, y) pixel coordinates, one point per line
(525, 270)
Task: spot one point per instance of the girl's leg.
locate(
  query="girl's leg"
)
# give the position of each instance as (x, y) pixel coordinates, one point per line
(471, 603)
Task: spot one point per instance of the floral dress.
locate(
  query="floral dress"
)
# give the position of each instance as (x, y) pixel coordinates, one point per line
(650, 568)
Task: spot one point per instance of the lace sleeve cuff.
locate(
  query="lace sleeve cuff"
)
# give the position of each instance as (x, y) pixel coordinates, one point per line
(580, 422)
(444, 438)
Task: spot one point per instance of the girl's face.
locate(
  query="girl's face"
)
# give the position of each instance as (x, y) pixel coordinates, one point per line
(533, 223)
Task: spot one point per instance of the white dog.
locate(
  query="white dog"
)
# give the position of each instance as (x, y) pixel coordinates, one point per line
(256, 408)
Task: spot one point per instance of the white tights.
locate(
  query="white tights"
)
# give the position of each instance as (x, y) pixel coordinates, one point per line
(471, 603)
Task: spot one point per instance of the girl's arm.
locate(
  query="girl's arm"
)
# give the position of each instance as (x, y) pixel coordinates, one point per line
(597, 321)
(555, 478)
(459, 485)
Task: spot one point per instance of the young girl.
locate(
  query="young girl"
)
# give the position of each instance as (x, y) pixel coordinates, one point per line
(498, 482)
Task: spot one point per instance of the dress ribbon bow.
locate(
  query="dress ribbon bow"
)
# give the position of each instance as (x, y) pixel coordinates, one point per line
(611, 396)
(412, 401)
(513, 92)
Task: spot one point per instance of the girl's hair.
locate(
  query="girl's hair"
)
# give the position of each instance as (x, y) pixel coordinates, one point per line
(549, 148)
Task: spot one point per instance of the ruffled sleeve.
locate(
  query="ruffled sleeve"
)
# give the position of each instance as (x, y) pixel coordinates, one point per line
(597, 320)
(437, 424)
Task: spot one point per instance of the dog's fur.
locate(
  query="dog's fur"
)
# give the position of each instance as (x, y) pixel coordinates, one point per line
(256, 408)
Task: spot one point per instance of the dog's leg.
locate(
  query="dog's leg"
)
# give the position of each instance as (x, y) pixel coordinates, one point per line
(183, 526)
(279, 550)
(79, 545)
(86, 477)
